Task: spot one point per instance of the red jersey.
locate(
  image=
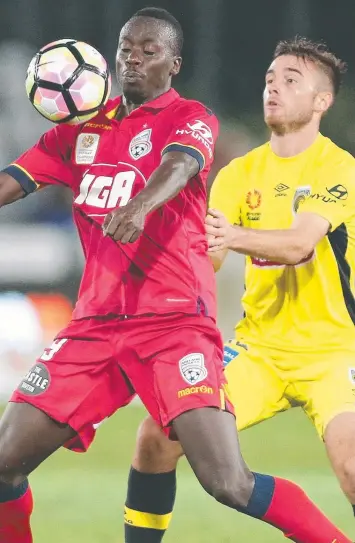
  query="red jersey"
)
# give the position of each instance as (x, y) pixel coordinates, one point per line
(106, 162)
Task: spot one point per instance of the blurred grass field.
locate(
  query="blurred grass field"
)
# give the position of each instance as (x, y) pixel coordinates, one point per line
(79, 498)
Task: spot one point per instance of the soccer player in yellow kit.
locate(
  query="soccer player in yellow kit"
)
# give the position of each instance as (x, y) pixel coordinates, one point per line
(288, 205)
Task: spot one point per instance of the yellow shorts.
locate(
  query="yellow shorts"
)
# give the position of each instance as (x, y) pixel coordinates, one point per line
(263, 382)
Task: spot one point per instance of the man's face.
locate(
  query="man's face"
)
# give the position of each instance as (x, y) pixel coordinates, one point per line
(145, 61)
(291, 87)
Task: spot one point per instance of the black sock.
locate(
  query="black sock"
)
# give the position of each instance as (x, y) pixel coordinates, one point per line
(149, 504)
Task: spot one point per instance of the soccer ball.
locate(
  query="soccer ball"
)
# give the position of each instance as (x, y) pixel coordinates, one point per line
(68, 81)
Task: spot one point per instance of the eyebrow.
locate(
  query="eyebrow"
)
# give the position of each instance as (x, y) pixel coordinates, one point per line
(147, 40)
(289, 69)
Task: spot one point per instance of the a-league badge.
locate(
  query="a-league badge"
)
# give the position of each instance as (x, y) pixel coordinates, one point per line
(192, 368)
(352, 376)
(141, 144)
(86, 148)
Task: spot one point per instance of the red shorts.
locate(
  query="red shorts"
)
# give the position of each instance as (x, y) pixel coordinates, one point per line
(95, 366)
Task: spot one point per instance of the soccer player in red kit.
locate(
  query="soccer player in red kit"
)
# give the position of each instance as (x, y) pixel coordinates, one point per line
(145, 318)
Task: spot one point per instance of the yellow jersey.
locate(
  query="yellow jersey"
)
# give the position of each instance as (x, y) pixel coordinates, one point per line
(309, 306)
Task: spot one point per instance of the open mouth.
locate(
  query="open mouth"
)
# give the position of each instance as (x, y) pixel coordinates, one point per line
(273, 104)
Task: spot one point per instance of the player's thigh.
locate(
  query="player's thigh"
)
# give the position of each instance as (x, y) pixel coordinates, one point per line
(210, 441)
(27, 437)
(78, 383)
(180, 368)
(329, 389)
(254, 386)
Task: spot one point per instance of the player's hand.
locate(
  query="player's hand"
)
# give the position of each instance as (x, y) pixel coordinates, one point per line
(125, 224)
(218, 230)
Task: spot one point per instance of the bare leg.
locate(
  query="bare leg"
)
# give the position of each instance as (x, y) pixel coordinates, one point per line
(339, 440)
(27, 437)
(209, 439)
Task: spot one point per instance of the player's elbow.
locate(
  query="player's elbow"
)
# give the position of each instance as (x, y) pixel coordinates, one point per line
(298, 251)
(217, 259)
(216, 263)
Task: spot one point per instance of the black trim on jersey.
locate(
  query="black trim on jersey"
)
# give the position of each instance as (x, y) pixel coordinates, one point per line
(25, 181)
(339, 242)
(195, 153)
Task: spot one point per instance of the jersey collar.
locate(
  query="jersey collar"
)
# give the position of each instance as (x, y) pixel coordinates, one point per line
(160, 102)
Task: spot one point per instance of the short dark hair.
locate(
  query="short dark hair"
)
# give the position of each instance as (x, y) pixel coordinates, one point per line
(164, 15)
(316, 52)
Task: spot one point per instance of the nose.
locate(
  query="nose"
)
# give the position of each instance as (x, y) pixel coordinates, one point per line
(273, 88)
(133, 59)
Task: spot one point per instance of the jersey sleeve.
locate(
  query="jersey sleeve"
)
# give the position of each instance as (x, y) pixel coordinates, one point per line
(194, 131)
(225, 192)
(333, 194)
(48, 162)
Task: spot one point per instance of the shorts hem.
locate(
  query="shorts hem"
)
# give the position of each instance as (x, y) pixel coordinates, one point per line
(77, 443)
(166, 421)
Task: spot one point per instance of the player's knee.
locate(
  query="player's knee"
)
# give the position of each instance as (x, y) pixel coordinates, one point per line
(231, 490)
(348, 470)
(154, 451)
(11, 472)
(12, 469)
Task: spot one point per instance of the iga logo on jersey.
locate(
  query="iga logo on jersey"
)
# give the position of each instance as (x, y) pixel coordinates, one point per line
(141, 144)
(192, 368)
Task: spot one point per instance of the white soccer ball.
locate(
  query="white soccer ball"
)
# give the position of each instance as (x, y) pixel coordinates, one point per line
(68, 81)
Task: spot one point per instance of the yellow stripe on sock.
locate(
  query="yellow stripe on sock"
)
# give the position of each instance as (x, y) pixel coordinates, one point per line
(146, 520)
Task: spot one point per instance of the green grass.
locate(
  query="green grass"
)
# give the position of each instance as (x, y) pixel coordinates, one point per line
(79, 498)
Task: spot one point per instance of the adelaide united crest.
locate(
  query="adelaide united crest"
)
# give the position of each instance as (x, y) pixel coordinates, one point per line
(141, 144)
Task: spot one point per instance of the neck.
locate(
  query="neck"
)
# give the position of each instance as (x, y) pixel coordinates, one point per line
(130, 103)
(293, 143)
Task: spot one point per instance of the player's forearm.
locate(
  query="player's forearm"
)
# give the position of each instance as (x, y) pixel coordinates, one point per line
(167, 181)
(10, 189)
(284, 246)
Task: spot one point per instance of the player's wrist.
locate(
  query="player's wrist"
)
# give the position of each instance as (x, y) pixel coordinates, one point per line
(235, 238)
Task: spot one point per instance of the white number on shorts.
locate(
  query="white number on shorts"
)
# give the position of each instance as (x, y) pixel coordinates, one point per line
(53, 349)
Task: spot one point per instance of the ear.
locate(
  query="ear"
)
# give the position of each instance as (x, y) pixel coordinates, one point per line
(177, 61)
(323, 102)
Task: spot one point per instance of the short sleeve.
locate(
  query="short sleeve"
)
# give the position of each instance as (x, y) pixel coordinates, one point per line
(194, 131)
(48, 162)
(333, 194)
(225, 192)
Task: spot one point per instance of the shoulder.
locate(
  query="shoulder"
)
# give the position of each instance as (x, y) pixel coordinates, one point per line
(188, 107)
(333, 156)
(60, 139)
(243, 163)
(110, 108)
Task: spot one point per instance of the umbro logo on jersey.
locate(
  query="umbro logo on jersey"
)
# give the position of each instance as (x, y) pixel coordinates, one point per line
(141, 144)
(281, 189)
